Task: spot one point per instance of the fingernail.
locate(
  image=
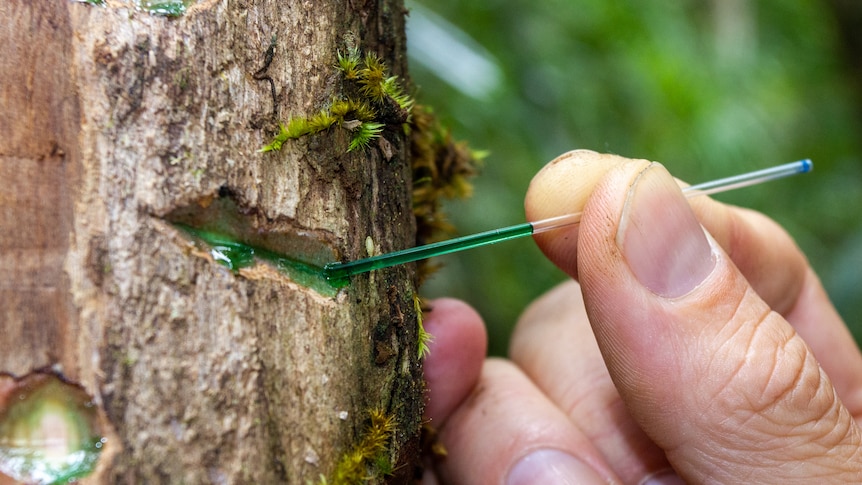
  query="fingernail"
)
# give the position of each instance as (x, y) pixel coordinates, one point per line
(664, 477)
(660, 238)
(552, 467)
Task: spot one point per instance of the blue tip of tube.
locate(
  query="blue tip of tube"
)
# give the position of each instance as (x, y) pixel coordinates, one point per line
(806, 165)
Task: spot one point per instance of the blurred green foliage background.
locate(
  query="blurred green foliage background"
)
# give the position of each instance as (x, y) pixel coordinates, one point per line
(708, 88)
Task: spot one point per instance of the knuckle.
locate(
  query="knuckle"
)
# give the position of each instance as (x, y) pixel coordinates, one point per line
(777, 394)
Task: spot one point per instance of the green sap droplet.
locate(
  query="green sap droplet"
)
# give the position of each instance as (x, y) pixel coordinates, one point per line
(233, 255)
(50, 436)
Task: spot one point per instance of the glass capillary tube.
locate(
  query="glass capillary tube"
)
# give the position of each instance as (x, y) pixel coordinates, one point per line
(340, 271)
(706, 188)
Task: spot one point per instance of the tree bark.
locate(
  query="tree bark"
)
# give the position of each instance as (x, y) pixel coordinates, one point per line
(116, 123)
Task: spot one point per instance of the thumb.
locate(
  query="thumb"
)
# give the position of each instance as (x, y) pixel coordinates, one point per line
(719, 381)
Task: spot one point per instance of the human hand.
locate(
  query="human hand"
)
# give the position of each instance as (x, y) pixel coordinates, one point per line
(705, 355)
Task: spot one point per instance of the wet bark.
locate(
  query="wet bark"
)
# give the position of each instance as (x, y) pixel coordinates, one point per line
(114, 121)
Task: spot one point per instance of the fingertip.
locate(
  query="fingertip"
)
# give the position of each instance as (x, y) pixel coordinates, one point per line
(457, 351)
(564, 184)
(509, 431)
(562, 187)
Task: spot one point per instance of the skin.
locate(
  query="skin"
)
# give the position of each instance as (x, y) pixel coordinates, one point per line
(731, 367)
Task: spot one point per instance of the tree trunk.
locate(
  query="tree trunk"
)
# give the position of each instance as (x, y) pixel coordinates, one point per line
(116, 125)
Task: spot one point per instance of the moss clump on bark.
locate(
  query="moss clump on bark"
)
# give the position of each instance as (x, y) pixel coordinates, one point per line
(371, 101)
(370, 459)
(442, 169)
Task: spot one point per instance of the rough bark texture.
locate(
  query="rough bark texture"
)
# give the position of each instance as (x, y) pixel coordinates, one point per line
(113, 119)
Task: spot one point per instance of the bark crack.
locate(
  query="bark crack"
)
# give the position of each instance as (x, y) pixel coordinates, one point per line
(261, 74)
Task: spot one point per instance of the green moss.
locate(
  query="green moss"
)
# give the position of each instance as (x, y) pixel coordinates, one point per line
(392, 88)
(422, 336)
(323, 120)
(168, 8)
(368, 90)
(442, 169)
(348, 63)
(372, 76)
(363, 134)
(299, 127)
(370, 459)
(351, 109)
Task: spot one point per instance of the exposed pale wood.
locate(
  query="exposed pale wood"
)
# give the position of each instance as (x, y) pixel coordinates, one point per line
(112, 119)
